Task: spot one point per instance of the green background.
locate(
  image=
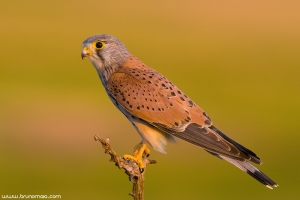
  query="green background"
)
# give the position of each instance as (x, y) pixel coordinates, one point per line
(238, 60)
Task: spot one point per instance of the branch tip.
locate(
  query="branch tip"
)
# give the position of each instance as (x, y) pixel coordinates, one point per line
(130, 166)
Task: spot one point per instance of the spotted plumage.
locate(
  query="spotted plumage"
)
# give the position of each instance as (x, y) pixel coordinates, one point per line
(159, 110)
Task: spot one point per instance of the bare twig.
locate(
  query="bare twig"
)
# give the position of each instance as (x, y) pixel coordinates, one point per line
(130, 166)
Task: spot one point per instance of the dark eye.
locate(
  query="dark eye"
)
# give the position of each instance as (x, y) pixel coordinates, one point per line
(98, 45)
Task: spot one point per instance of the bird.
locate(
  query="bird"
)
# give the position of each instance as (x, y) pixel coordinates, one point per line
(159, 111)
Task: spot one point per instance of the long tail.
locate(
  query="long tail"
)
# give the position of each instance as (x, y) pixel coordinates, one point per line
(252, 171)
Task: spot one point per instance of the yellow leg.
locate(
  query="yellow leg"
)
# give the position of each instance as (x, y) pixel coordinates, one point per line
(140, 149)
(138, 154)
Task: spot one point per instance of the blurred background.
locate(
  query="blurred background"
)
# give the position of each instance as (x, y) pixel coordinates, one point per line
(238, 60)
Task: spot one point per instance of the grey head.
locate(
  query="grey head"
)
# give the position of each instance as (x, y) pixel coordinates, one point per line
(104, 51)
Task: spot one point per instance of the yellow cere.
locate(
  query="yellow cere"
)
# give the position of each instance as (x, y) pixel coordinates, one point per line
(88, 51)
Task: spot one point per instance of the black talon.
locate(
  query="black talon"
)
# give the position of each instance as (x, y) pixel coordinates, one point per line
(142, 170)
(148, 155)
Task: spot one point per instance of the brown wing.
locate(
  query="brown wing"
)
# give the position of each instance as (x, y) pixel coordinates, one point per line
(150, 96)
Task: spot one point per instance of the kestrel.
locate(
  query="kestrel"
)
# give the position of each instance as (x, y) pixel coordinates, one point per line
(159, 111)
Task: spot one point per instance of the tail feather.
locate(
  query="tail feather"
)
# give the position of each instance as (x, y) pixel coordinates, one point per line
(252, 171)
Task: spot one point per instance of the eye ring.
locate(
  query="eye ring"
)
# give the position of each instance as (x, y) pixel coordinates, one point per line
(98, 45)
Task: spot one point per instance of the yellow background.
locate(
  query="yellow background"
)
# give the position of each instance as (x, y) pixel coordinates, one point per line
(238, 60)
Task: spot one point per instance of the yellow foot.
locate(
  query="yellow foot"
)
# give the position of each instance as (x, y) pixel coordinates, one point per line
(140, 149)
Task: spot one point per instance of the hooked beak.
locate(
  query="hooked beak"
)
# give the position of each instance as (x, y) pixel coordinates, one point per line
(86, 52)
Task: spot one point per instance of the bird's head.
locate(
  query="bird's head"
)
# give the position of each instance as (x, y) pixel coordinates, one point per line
(104, 51)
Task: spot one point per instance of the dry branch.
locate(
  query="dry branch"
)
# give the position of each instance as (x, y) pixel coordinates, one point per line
(131, 168)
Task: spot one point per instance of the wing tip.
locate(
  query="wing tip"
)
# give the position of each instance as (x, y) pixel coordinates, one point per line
(250, 154)
(256, 160)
